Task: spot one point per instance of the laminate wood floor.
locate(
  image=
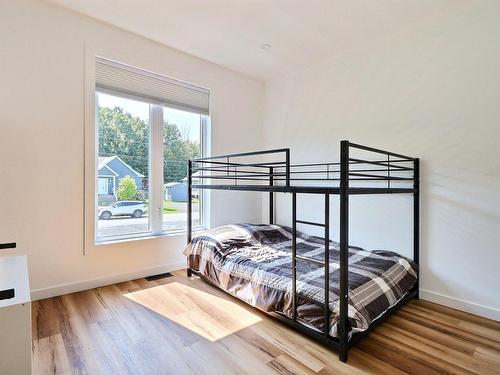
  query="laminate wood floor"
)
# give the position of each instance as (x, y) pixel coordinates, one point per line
(178, 325)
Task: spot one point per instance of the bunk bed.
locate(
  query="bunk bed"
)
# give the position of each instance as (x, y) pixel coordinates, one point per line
(247, 260)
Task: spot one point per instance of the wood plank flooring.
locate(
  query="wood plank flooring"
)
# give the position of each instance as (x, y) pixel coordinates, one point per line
(178, 325)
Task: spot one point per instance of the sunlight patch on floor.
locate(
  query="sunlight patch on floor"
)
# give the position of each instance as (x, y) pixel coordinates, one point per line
(207, 315)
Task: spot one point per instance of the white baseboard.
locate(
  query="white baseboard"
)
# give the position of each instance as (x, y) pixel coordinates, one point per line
(78, 286)
(459, 304)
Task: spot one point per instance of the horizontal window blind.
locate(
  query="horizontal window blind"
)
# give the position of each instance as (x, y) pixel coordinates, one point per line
(111, 75)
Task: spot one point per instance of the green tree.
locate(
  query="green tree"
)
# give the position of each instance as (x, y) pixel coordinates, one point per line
(127, 189)
(176, 152)
(128, 137)
(124, 135)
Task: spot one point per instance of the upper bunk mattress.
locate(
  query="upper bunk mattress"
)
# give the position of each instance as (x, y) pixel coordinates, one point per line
(253, 263)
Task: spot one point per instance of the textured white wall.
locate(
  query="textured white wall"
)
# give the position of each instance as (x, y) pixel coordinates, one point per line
(41, 143)
(430, 91)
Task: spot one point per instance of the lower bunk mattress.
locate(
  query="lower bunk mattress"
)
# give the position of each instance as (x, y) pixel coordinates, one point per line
(253, 263)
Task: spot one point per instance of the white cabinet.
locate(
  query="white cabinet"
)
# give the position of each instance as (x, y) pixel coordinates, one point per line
(15, 318)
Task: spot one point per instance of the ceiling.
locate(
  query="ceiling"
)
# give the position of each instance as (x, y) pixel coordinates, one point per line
(230, 32)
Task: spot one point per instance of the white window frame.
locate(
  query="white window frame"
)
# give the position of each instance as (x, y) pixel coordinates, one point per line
(91, 241)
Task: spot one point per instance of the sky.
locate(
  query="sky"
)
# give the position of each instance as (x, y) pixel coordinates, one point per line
(187, 122)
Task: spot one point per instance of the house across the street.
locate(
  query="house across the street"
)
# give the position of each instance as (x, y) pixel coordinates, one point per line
(176, 191)
(111, 170)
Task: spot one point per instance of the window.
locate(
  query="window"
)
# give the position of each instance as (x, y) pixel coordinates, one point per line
(147, 127)
(123, 152)
(182, 139)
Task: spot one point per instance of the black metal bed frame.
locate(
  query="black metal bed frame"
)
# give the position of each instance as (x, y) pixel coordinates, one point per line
(378, 176)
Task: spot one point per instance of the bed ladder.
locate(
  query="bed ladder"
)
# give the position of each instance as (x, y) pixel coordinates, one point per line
(325, 263)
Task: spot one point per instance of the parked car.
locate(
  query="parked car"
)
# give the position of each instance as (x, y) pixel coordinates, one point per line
(122, 208)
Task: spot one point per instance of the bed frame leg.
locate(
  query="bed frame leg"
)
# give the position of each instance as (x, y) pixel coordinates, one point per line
(416, 220)
(343, 324)
(189, 273)
(343, 354)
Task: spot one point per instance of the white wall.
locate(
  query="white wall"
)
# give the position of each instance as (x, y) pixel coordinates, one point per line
(430, 91)
(41, 143)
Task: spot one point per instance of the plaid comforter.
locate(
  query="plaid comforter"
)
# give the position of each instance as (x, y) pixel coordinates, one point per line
(253, 263)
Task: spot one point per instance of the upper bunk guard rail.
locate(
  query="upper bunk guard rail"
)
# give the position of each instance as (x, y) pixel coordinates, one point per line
(378, 151)
(252, 153)
(384, 173)
(224, 167)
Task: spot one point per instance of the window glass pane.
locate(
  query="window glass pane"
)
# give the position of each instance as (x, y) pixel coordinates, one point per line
(181, 141)
(123, 166)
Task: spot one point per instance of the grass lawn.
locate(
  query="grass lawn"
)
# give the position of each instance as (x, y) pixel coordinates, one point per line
(169, 208)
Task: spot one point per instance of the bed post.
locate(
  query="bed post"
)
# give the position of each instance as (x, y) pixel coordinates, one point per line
(271, 196)
(189, 209)
(327, 265)
(287, 166)
(344, 248)
(416, 219)
(294, 255)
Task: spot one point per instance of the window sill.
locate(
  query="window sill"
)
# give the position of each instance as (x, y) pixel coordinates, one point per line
(147, 236)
